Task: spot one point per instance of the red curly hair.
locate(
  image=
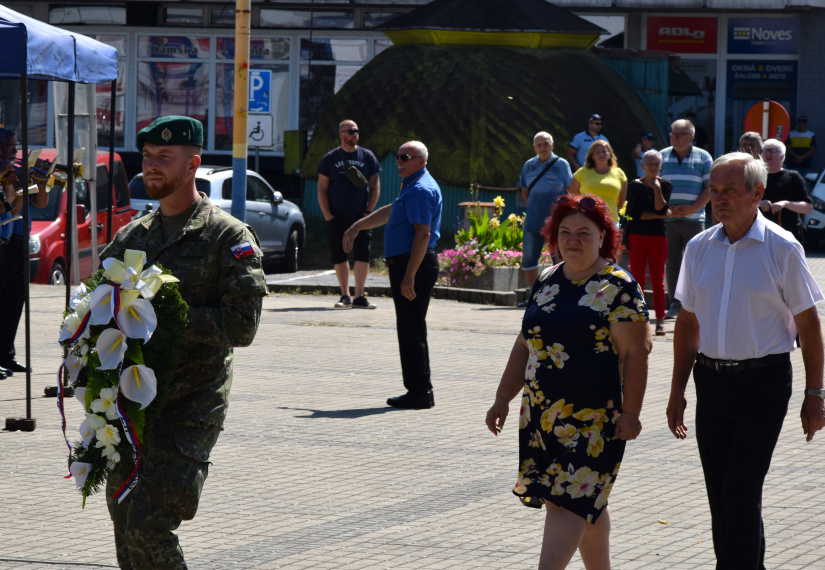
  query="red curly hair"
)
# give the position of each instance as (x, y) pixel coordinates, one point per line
(596, 210)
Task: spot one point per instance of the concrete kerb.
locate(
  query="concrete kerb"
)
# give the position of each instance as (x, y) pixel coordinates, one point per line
(498, 298)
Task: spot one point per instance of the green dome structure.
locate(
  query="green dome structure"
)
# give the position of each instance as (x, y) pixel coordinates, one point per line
(477, 107)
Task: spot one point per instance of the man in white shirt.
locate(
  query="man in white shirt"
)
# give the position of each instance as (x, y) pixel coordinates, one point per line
(746, 291)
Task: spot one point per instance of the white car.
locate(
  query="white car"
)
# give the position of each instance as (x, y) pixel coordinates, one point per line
(279, 223)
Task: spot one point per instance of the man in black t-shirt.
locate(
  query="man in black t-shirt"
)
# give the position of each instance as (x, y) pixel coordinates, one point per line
(344, 200)
(786, 195)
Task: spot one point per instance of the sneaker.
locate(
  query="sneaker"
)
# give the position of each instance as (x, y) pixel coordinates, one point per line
(344, 302)
(362, 303)
(673, 312)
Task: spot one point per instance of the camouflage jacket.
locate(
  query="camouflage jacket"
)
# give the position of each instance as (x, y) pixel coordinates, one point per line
(224, 295)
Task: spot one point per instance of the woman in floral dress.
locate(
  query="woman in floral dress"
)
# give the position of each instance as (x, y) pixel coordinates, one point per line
(580, 362)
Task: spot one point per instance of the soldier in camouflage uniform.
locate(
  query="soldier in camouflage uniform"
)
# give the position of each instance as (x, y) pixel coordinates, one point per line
(218, 261)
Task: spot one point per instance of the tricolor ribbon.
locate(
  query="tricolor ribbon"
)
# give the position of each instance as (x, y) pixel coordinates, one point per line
(131, 437)
(60, 395)
(116, 308)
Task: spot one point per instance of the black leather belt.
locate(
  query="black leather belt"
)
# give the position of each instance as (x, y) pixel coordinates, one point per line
(732, 366)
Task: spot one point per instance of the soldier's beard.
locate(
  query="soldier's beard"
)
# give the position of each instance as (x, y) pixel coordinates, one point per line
(160, 192)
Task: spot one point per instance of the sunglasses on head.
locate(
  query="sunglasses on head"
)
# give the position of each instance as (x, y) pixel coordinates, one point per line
(405, 157)
(350, 131)
(586, 204)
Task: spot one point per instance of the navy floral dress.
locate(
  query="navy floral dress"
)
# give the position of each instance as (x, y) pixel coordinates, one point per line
(573, 393)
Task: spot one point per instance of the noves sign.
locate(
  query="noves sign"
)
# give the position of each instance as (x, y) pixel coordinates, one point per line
(763, 35)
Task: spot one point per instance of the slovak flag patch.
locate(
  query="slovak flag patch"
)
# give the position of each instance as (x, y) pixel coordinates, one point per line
(242, 250)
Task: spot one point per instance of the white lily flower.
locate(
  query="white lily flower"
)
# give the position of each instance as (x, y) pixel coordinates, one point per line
(111, 348)
(132, 277)
(80, 471)
(80, 394)
(73, 321)
(102, 303)
(151, 280)
(106, 403)
(112, 455)
(95, 421)
(74, 364)
(107, 435)
(78, 294)
(138, 320)
(87, 433)
(138, 383)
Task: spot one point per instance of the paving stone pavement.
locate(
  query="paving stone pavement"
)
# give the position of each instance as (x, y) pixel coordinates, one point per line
(314, 471)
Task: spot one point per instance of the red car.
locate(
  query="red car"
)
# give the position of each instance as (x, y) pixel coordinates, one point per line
(47, 243)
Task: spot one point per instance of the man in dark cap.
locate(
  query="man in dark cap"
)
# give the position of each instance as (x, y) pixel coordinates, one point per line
(645, 144)
(582, 141)
(218, 261)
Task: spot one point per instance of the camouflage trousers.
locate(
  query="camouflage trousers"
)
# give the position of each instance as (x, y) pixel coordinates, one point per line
(174, 466)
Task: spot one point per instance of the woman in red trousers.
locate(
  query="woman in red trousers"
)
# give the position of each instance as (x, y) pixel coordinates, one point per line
(647, 199)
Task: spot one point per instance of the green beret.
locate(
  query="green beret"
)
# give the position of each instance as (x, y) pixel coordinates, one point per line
(173, 129)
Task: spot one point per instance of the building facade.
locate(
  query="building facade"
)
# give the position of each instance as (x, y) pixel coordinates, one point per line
(177, 58)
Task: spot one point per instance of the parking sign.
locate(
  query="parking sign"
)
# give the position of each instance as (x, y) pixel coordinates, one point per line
(260, 89)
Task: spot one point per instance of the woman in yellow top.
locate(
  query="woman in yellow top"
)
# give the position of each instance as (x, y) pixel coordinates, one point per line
(601, 177)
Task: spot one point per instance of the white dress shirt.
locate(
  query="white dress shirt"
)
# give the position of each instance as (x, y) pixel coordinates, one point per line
(745, 294)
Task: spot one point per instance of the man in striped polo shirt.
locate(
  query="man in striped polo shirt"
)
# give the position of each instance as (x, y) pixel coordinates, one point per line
(688, 169)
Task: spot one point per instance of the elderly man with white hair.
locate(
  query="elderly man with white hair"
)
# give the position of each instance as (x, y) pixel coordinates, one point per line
(543, 179)
(413, 226)
(786, 194)
(746, 292)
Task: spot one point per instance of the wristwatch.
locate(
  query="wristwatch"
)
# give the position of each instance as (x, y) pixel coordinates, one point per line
(812, 392)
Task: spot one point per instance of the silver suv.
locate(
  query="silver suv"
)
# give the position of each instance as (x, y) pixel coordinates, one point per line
(279, 223)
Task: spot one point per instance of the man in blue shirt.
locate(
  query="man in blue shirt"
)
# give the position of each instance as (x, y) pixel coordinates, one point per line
(543, 179)
(580, 144)
(688, 169)
(413, 227)
(15, 255)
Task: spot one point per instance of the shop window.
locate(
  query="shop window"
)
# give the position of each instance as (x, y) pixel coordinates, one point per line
(373, 19)
(278, 18)
(173, 47)
(37, 94)
(333, 50)
(224, 104)
(105, 116)
(381, 45)
(222, 17)
(183, 15)
(259, 48)
(167, 88)
(103, 95)
(91, 15)
(319, 83)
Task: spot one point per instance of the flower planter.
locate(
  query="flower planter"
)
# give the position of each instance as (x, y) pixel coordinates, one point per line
(495, 279)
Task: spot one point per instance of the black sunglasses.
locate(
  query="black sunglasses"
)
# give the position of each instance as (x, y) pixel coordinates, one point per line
(596, 123)
(350, 131)
(405, 157)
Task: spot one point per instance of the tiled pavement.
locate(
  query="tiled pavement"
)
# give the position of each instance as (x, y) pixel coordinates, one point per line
(314, 471)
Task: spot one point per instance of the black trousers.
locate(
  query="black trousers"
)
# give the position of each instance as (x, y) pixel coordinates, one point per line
(411, 320)
(12, 294)
(738, 420)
